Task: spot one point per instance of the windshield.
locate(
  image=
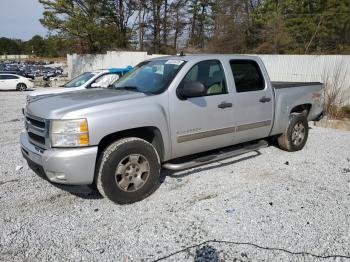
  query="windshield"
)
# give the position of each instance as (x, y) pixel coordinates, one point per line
(150, 76)
(80, 80)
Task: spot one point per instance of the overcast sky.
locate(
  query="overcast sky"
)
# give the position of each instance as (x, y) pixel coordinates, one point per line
(20, 19)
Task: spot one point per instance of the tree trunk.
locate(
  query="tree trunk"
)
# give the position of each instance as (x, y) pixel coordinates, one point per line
(165, 23)
(156, 25)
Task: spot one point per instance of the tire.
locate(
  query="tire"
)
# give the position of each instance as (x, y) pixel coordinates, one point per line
(295, 136)
(21, 87)
(129, 171)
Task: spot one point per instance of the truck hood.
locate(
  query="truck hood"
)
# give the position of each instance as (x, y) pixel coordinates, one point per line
(51, 91)
(55, 106)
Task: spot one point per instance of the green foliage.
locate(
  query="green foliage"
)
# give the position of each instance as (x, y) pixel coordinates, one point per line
(10, 46)
(38, 46)
(95, 25)
(313, 26)
(168, 26)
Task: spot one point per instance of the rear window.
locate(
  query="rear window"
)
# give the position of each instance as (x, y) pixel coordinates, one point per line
(247, 76)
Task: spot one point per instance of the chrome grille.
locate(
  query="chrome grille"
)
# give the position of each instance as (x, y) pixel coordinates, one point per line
(37, 129)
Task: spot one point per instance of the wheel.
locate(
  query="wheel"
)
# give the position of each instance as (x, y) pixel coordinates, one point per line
(295, 136)
(21, 87)
(129, 171)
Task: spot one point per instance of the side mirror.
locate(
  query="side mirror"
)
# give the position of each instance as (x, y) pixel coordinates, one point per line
(95, 85)
(191, 89)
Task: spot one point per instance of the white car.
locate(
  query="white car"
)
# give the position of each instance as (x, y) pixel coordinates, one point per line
(94, 79)
(11, 81)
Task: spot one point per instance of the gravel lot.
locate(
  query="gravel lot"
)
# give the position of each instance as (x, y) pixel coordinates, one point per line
(267, 206)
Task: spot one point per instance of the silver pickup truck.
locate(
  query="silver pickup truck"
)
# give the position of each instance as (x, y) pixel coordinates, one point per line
(174, 112)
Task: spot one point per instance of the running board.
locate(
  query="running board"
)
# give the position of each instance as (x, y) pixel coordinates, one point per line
(222, 154)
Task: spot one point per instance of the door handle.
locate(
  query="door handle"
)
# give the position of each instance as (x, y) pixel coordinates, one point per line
(224, 105)
(264, 99)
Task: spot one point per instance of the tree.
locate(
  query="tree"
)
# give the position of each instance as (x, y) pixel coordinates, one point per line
(11, 46)
(231, 26)
(118, 13)
(36, 46)
(315, 26)
(156, 6)
(96, 25)
(178, 21)
(199, 11)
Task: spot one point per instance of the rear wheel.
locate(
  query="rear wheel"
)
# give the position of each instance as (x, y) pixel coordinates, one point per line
(21, 87)
(295, 136)
(129, 171)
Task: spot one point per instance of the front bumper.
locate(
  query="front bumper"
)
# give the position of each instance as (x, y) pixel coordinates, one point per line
(64, 166)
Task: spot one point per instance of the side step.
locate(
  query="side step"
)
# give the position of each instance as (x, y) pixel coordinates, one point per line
(219, 155)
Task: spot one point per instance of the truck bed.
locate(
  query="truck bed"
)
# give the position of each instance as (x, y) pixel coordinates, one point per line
(280, 85)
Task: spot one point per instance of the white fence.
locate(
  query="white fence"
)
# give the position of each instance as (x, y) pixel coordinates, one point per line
(302, 68)
(78, 64)
(310, 68)
(14, 57)
(305, 68)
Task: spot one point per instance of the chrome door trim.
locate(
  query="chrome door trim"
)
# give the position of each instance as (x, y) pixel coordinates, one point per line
(253, 125)
(221, 131)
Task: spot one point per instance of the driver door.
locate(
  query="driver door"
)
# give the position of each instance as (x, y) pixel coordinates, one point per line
(203, 123)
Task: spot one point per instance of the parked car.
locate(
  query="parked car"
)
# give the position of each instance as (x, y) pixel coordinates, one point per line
(12, 81)
(94, 79)
(47, 76)
(169, 112)
(29, 74)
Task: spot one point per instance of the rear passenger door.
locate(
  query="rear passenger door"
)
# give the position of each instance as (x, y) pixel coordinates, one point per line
(254, 103)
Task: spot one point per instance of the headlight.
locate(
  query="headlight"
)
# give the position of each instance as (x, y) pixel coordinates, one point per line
(69, 133)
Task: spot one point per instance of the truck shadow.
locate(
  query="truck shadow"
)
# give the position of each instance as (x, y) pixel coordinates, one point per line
(89, 192)
(85, 192)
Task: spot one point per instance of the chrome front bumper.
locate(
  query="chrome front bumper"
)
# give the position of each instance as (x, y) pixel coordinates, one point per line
(64, 166)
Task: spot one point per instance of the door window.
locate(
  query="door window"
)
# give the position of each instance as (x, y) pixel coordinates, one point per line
(80, 80)
(107, 79)
(210, 74)
(9, 77)
(247, 76)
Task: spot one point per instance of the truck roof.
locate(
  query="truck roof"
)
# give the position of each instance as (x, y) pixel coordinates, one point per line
(188, 57)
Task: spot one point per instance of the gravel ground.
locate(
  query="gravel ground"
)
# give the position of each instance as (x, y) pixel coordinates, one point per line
(264, 206)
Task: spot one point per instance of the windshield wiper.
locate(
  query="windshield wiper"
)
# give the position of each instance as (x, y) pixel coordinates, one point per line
(128, 88)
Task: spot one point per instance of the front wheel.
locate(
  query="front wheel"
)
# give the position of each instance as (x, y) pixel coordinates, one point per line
(295, 136)
(129, 171)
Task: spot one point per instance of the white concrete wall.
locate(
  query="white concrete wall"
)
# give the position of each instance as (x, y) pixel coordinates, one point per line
(305, 67)
(13, 57)
(78, 64)
(310, 68)
(302, 68)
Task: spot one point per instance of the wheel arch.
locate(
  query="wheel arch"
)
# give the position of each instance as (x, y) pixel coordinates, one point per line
(301, 109)
(150, 134)
(21, 83)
